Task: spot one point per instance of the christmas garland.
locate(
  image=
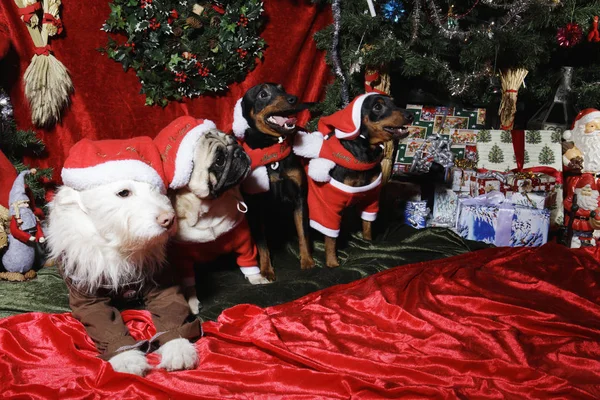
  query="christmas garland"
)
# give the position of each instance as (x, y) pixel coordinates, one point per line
(182, 49)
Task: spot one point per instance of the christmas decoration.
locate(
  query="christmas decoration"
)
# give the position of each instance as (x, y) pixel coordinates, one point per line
(511, 79)
(393, 10)
(181, 49)
(559, 112)
(582, 215)
(47, 83)
(594, 35)
(25, 232)
(585, 136)
(569, 35)
(334, 51)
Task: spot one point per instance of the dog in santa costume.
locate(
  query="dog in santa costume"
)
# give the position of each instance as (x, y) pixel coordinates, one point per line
(108, 228)
(345, 169)
(582, 212)
(264, 122)
(584, 155)
(204, 168)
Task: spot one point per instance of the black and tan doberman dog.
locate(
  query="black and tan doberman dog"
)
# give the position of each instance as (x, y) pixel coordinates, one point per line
(264, 121)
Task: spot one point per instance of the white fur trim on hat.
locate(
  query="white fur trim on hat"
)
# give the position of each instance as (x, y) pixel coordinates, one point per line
(184, 161)
(240, 125)
(257, 181)
(567, 135)
(318, 169)
(111, 171)
(308, 145)
(587, 118)
(356, 120)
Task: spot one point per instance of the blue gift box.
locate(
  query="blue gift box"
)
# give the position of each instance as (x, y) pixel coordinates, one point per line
(491, 220)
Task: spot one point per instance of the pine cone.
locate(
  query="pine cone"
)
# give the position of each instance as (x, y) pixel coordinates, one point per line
(215, 21)
(177, 31)
(194, 22)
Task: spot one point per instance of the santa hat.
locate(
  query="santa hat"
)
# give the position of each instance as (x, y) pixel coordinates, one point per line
(581, 119)
(94, 163)
(17, 192)
(346, 122)
(177, 144)
(585, 180)
(240, 124)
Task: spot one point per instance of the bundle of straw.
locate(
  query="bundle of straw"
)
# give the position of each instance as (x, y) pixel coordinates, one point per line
(387, 162)
(511, 80)
(47, 81)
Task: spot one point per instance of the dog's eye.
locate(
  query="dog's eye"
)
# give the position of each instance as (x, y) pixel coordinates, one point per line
(220, 160)
(263, 94)
(377, 107)
(124, 193)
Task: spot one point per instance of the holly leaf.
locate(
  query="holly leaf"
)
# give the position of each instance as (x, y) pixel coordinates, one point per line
(149, 101)
(174, 60)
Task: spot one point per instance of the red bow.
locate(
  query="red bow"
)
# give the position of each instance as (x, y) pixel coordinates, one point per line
(43, 50)
(49, 19)
(518, 141)
(29, 11)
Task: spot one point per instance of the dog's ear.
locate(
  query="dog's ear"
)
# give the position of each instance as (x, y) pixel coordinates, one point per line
(67, 196)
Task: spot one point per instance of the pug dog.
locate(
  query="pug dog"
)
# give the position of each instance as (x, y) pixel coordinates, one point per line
(208, 205)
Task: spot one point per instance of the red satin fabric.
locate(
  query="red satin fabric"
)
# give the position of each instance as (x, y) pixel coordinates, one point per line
(499, 323)
(107, 103)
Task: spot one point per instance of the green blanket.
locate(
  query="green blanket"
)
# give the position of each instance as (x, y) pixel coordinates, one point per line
(221, 284)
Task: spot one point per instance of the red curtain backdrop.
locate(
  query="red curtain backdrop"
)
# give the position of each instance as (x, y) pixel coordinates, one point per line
(107, 103)
(495, 324)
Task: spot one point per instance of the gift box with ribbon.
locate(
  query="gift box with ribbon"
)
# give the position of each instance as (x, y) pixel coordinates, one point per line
(535, 159)
(415, 214)
(491, 219)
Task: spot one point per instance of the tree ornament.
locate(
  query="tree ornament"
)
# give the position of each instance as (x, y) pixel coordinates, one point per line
(594, 35)
(511, 80)
(164, 30)
(451, 23)
(48, 85)
(570, 35)
(392, 10)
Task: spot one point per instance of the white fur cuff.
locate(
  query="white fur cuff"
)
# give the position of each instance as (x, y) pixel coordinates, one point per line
(318, 169)
(240, 125)
(308, 145)
(257, 181)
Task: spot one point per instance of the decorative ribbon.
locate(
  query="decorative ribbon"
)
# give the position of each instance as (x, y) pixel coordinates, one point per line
(438, 151)
(49, 19)
(43, 50)
(29, 11)
(518, 141)
(369, 85)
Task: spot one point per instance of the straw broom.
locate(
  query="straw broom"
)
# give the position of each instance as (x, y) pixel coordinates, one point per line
(511, 80)
(47, 81)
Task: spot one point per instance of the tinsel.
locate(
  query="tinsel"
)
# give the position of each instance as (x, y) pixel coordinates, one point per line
(416, 20)
(335, 56)
(6, 110)
(447, 33)
(438, 151)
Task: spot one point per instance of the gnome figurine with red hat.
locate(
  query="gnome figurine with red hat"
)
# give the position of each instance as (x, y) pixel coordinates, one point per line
(25, 231)
(584, 156)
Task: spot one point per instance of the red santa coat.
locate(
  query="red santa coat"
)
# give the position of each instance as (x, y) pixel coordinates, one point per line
(582, 216)
(22, 235)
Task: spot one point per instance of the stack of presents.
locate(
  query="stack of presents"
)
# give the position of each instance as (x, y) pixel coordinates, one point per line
(503, 188)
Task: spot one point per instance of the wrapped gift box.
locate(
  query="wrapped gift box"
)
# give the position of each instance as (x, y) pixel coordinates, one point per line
(455, 124)
(502, 224)
(533, 200)
(415, 214)
(461, 180)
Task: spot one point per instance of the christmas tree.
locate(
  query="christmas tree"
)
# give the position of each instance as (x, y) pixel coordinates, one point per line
(15, 144)
(546, 156)
(484, 136)
(496, 155)
(460, 48)
(533, 137)
(525, 157)
(506, 137)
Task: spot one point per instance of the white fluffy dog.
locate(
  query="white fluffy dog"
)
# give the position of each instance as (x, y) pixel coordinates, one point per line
(108, 227)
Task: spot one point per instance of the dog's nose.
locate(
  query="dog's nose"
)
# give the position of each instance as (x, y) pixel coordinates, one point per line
(166, 219)
(409, 117)
(292, 100)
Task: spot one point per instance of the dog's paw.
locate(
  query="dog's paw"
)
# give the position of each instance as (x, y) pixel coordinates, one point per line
(194, 304)
(130, 362)
(307, 262)
(257, 279)
(178, 354)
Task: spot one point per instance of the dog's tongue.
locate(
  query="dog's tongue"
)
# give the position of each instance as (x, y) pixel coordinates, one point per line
(282, 121)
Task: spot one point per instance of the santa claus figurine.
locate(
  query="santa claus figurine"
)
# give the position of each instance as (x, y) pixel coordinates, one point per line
(584, 154)
(582, 215)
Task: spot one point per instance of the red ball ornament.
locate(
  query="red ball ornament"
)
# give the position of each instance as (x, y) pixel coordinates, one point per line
(569, 35)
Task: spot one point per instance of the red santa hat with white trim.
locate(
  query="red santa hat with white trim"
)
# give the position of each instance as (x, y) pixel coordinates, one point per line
(94, 163)
(584, 116)
(585, 180)
(177, 144)
(346, 122)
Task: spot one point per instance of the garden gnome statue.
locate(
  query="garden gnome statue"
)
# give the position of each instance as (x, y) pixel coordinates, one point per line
(25, 231)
